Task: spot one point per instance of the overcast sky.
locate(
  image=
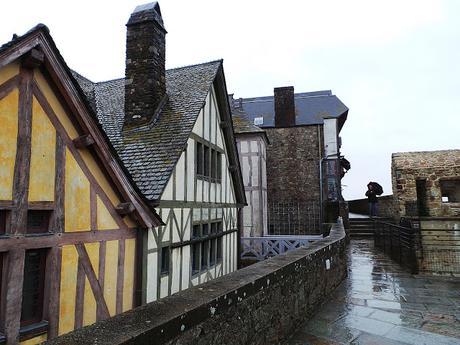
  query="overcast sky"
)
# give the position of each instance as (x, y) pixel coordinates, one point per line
(394, 63)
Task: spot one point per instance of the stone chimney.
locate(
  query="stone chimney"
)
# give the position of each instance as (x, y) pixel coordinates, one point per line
(284, 106)
(145, 85)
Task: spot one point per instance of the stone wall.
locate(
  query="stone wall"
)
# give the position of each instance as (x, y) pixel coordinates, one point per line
(293, 157)
(434, 166)
(260, 304)
(387, 207)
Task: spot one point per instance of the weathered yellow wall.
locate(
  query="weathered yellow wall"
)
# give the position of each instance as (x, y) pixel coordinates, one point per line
(89, 308)
(128, 284)
(55, 105)
(43, 154)
(8, 72)
(8, 138)
(77, 209)
(99, 176)
(77, 190)
(37, 340)
(68, 289)
(105, 220)
(110, 277)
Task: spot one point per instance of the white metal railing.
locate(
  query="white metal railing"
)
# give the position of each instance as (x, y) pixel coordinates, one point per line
(261, 248)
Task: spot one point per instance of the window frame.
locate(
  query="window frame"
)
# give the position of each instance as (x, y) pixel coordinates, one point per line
(38, 317)
(208, 161)
(206, 241)
(45, 226)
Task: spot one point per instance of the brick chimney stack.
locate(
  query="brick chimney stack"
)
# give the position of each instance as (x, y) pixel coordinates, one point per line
(284, 106)
(145, 84)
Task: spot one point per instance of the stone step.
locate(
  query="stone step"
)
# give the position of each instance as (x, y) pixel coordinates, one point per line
(361, 225)
(361, 235)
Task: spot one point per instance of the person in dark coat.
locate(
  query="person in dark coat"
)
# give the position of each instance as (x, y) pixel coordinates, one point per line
(372, 199)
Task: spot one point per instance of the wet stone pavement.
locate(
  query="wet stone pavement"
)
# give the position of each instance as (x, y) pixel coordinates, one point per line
(380, 303)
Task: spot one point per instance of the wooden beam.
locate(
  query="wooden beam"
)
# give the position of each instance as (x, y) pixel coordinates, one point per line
(60, 239)
(85, 262)
(125, 208)
(223, 124)
(35, 58)
(23, 154)
(120, 276)
(54, 273)
(83, 141)
(13, 294)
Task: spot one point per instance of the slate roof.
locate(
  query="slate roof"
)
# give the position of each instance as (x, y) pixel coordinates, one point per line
(241, 122)
(310, 108)
(150, 152)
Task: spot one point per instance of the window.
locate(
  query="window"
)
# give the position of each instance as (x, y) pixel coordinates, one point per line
(165, 260)
(33, 286)
(450, 190)
(207, 246)
(205, 228)
(213, 228)
(219, 248)
(207, 171)
(199, 158)
(219, 166)
(208, 163)
(196, 258)
(212, 252)
(204, 254)
(196, 231)
(3, 216)
(37, 221)
(214, 163)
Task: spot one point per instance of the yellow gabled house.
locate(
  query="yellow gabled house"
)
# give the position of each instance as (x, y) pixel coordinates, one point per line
(71, 221)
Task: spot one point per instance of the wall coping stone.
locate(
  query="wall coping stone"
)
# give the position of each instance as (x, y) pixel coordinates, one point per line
(166, 318)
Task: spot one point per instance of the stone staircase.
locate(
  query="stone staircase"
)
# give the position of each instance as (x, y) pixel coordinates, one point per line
(361, 228)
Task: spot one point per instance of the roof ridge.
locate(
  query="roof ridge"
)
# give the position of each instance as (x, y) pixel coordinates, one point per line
(170, 69)
(197, 64)
(82, 76)
(309, 94)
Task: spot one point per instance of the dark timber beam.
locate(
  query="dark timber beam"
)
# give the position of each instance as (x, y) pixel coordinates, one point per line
(34, 58)
(223, 124)
(125, 208)
(83, 141)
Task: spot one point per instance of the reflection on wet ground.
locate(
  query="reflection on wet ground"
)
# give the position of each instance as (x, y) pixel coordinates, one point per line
(382, 304)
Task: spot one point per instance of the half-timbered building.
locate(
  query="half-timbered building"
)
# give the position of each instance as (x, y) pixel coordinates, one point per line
(173, 131)
(252, 144)
(304, 162)
(70, 218)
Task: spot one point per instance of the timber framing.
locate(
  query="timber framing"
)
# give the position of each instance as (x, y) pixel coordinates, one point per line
(118, 213)
(39, 39)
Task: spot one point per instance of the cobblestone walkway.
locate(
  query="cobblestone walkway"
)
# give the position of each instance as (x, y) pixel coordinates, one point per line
(381, 304)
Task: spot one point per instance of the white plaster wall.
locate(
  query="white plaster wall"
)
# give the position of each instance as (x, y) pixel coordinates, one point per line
(331, 147)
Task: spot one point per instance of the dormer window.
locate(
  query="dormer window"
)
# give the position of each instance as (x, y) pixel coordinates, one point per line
(258, 121)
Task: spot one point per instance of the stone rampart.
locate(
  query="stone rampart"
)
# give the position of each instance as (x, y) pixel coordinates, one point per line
(260, 304)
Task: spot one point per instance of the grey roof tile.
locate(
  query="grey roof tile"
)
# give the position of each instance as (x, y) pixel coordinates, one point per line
(310, 108)
(150, 152)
